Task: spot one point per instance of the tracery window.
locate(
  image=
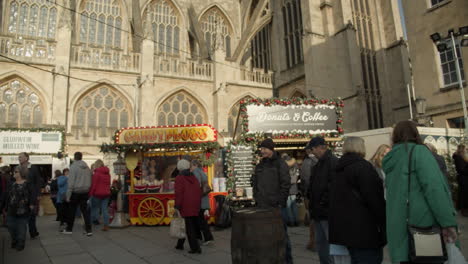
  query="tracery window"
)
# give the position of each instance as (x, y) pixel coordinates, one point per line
(181, 109)
(102, 108)
(20, 104)
(216, 30)
(261, 48)
(164, 21)
(232, 117)
(34, 18)
(292, 22)
(101, 23)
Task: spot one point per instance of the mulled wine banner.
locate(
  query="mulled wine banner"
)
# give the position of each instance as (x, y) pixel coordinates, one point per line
(312, 119)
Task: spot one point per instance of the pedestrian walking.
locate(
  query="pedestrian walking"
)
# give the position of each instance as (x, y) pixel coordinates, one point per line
(62, 205)
(271, 183)
(461, 166)
(322, 176)
(100, 193)
(34, 177)
(415, 197)
(79, 183)
(5, 181)
(357, 206)
(291, 204)
(196, 168)
(19, 202)
(440, 160)
(187, 202)
(306, 170)
(377, 158)
(53, 190)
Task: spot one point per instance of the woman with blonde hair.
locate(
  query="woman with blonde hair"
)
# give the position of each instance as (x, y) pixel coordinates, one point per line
(100, 193)
(377, 158)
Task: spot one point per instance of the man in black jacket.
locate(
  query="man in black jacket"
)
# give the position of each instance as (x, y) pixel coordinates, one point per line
(321, 178)
(271, 183)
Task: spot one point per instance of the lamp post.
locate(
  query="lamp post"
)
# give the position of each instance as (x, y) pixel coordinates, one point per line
(119, 216)
(441, 46)
(420, 104)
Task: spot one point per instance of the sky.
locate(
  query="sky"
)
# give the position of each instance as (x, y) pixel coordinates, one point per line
(402, 18)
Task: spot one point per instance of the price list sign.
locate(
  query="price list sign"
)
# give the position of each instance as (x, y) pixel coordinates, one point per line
(242, 159)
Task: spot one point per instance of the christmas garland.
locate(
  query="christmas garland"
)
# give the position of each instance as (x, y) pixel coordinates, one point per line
(38, 129)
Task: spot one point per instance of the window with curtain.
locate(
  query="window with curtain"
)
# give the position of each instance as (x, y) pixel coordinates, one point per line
(33, 18)
(261, 49)
(181, 109)
(20, 104)
(101, 23)
(448, 65)
(232, 117)
(102, 108)
(292, 24)
(165, 26)
(216, 30)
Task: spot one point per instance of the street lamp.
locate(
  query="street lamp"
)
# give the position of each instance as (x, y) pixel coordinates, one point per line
(437, 39)
(420, 105)
(120, 169)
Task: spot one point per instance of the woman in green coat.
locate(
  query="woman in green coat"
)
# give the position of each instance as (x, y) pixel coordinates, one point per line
(430, 199)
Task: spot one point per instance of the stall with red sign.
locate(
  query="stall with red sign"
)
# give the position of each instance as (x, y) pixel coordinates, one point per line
(151, 155)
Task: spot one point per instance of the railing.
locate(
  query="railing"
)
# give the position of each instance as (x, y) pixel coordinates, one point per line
(256, 76)
(105, 59)
(173, 67)
(28, 50)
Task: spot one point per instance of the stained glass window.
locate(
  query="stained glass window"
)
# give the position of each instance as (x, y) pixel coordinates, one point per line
(164, 22)
(232, 116)
(217, 30)
(292, 22)
(35, 18)
(181, 109)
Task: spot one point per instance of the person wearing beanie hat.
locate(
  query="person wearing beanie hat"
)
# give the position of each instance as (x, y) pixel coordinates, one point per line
(318, 193)
(187, 203)
(271, 183)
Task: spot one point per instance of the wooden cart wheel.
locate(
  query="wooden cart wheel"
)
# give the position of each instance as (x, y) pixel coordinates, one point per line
(151, 211)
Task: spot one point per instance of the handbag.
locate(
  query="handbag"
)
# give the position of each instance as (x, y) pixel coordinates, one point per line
(426, 244)
(177, 228)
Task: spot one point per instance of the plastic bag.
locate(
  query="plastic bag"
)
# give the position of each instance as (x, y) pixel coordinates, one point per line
(454, 255)
(223, 212)
(177, 228)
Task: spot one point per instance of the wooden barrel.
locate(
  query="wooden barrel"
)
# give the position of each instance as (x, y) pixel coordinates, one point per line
(257, 236)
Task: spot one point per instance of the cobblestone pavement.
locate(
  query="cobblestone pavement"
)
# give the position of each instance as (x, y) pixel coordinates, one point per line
(134, 245)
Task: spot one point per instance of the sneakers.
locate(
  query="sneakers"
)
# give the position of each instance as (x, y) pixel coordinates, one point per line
(207, 243)
(35, 235)
(65, 232)
(88, 233)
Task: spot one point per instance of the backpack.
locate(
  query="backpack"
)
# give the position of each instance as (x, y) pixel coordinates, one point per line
(54, 186)
(18, 201)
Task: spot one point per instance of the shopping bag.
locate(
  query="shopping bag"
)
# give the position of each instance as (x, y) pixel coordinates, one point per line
(454, 255)
(177, 228)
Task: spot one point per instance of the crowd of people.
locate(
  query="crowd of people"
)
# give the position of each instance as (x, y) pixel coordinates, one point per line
(356, 206)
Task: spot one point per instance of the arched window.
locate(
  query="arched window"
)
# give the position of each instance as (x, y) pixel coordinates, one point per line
(164, 21)
(261, 48)
(101, 23)
(232, 117)
(298, 94)
(34, 18)
(102, 108)
(181, 109)
(216, 30)
(20, 104)
(292, 22)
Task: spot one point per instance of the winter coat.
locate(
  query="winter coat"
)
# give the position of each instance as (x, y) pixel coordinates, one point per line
(34, 177)
(442, 165)
(187, 194)
(294, 174)
(461, 166)
(25, 202)
(79, 180)
(322, 176)
(357, 205)
(201, 177)
(306, 170)
(100, 184)
(62, 182)
(271, 182)
(430, 200)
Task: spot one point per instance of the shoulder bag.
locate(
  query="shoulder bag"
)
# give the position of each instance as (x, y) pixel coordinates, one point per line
(426, 244)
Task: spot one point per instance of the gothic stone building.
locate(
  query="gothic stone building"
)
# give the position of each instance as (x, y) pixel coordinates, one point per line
(93, 66)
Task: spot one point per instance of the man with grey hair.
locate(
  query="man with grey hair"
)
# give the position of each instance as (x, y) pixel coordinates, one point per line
(321, 178)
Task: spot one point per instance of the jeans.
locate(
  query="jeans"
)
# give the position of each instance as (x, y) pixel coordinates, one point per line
(366, 255)
(81, 200)
(62, 211)
(100, 204)
(292, 210)
(32, 225)
(321, 240)
(192, 230)
(17, 228)
(284, 215)
(204, 227)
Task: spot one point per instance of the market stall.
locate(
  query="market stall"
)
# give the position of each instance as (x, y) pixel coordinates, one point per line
(290, 122)
(151, 155)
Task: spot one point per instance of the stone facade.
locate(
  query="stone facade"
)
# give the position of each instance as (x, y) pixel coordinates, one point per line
(435, 75)
(93, 66)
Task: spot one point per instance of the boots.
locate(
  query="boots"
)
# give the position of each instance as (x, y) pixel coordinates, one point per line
(105, 228)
